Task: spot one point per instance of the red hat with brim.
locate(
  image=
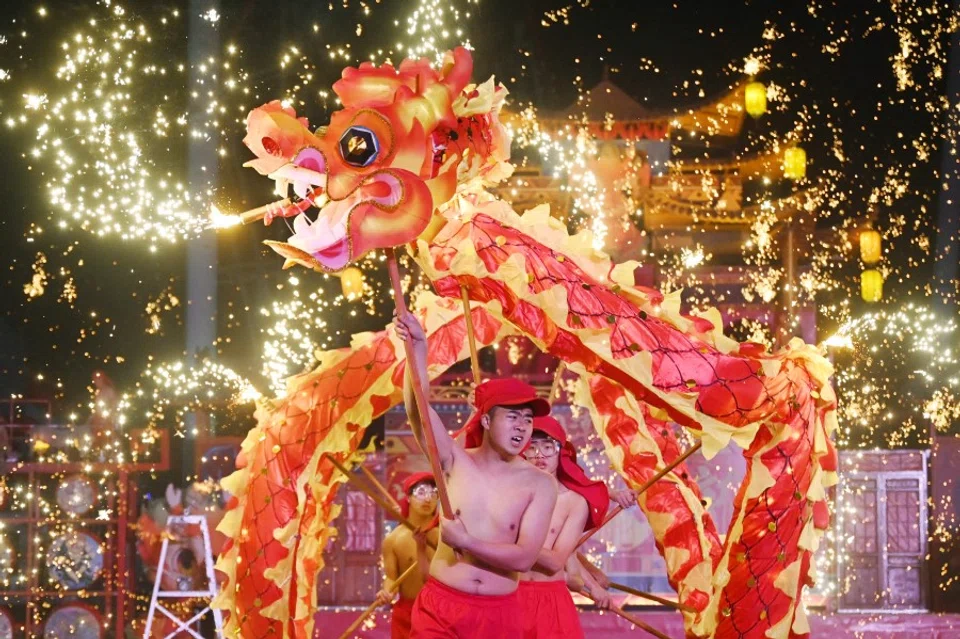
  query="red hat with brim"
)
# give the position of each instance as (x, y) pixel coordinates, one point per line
(572, 476)
(412, 480)
(499, 392)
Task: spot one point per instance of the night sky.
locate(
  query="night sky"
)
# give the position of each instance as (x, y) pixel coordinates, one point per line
(668, 55)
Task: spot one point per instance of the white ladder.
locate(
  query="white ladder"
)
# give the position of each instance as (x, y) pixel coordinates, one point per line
(209, 593)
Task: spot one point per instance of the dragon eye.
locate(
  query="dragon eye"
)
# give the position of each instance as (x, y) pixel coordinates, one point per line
(359, 146)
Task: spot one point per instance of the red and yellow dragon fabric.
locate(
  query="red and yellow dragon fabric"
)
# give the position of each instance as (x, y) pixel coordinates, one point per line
(409, 161)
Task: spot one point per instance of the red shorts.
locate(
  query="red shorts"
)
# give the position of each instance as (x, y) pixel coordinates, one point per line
(400, 618)
(442, 611)
(549, 611)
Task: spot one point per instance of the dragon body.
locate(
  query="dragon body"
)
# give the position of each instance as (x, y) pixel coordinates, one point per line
(409, 161)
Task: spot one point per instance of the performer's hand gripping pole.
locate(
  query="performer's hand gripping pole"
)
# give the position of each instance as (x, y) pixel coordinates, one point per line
(348, 633)
(660, 600)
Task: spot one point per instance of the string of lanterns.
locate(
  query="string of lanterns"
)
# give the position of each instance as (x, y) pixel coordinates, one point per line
(795, 168)
(871, 280)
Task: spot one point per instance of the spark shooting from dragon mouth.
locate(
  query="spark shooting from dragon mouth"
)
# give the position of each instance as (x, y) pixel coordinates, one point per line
(219, 220)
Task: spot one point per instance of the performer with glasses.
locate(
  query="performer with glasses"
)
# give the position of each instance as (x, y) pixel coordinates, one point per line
(404, 547)
(549, 611)
(501, 506)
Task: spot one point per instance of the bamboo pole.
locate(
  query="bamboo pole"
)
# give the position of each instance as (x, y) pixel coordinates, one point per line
(616, 511)
(471, 337)
(660, 600)
(369, 610)
(557, 377)
(376, 484)
(617, 610)
(432, 453)
(380, 501)
(639, 593)
(639, 624)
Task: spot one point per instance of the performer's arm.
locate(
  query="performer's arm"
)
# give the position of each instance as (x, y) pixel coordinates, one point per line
(579, 579)
(391, 570)
(409, 330)
(519, 556)
(552, 560)
(573, 574)
(595, 573)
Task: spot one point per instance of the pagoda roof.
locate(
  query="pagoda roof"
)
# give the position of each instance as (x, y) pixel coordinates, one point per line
(721, 115)
(603, 99)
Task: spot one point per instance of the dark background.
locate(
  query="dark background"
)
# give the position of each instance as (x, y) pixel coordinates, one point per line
(848, 96)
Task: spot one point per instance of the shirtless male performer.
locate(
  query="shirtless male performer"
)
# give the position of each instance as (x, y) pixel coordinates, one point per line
(404, 547)
(502, 507)
(549, 611)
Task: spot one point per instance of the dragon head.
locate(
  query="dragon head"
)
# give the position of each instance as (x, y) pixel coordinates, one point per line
(377, 173)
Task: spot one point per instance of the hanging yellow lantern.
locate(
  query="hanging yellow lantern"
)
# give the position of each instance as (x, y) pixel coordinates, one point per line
(352, 282)
(870, 246)
(794, 163)
(755, 99)
(871, 285)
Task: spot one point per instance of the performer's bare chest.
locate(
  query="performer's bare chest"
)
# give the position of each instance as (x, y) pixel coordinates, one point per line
(491, 505)
(566, 501)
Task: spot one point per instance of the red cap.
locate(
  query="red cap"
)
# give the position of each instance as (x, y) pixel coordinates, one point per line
(499, 392)
(408, 484)
(572, 476)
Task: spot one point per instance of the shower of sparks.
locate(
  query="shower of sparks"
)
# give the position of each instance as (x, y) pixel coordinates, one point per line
(679, 269)
(433, 27)
(298, 326)
(898, 378)
(291, 340)
(220, 220)
(112, 167)
(172, 391)
(38, 281)
(165, 302)
(568, 152)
